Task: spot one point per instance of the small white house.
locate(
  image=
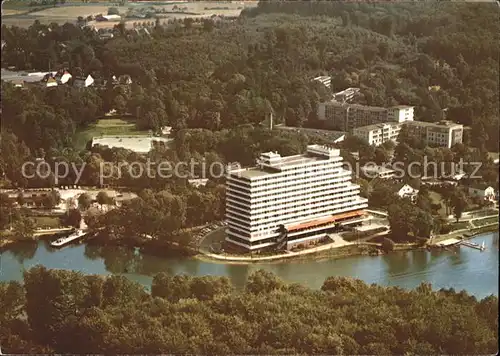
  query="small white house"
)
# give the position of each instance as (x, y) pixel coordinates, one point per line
(482, 191)
(65, 77)
(407, 191)
(199, 182)
(51, 82)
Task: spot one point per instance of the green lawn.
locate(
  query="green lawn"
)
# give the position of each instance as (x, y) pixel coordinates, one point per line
(486, 221)
(106, 127)
(459, 225)
(47, 222)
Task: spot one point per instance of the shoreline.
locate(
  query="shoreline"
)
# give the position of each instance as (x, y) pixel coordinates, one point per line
(336, 252)
(348, 249)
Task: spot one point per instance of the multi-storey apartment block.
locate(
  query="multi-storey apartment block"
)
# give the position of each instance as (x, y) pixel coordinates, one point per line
(378, 133)
(438, 134)
(346, 117)
(284, 201)
(346, 95)
(325, 80)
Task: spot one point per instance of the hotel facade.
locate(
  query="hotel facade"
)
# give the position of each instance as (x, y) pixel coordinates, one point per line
(286, 201)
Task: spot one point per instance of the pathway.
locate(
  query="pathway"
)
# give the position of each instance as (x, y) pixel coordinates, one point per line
(338, 242)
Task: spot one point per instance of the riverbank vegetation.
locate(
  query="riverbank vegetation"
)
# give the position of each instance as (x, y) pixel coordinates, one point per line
(216, 84)
(57, 311)
(160, 219)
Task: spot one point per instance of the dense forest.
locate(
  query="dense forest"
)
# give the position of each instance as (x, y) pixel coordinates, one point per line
(57, 311)
(441, 57)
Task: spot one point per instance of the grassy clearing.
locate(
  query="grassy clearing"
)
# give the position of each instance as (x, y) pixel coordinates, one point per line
(47, 222)
(106, 127)
(460, 225)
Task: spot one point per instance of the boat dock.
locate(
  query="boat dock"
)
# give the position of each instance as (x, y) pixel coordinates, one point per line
(67, 239)
(457, 242)
(473, 245)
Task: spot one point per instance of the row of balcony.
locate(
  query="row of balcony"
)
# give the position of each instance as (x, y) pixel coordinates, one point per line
(289, 196)
(272, 205)
(301, 186)
(256, 186)
(295, 215)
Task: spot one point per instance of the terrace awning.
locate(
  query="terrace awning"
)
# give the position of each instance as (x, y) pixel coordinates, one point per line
(324, 221)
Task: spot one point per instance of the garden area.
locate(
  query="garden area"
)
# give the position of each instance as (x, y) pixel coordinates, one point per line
(486, 221)
(115, 126)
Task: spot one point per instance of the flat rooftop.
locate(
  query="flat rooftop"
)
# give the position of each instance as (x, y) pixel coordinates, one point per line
(433, 124)
(285, 162)
(377, 126)
(377, 169)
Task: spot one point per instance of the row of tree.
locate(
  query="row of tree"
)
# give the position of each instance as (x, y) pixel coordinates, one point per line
(58, 311)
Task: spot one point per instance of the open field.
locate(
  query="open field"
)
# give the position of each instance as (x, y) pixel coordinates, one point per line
(17, 14)
(72, 12)
(47, 222)
(486, 221)
(107, 127)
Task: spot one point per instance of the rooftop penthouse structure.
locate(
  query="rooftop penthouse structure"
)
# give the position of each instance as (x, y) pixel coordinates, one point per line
(325, 80)
(346, 95)
(284, 201)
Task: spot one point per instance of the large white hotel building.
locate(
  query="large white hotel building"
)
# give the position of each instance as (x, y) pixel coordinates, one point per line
(284, 201)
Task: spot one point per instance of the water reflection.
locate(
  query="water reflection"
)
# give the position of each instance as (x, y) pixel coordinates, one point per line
(397, 263)
(467, 268)
(457, 257)
(420, 259)
(24, 250)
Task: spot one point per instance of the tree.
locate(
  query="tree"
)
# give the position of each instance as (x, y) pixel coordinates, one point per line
(262, 282)
(188, 22)
(387, 245)
(120, 104)
(23, 228)
(459, 203)
(73, 218)
(51, 200)
(402, 215)
(84, 201)
(208, 25)
(20, 199)
(103, 198)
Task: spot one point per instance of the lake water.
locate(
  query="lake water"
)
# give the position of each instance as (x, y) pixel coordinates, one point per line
(466, 268)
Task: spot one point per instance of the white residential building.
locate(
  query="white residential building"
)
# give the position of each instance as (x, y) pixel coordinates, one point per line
(285, 201)
(482, 191)
(407, 191)
(372, 171)
(325, 80)
(378, 133)
(440, 134)
(65, 77)
(346, 95)
(345, 117)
